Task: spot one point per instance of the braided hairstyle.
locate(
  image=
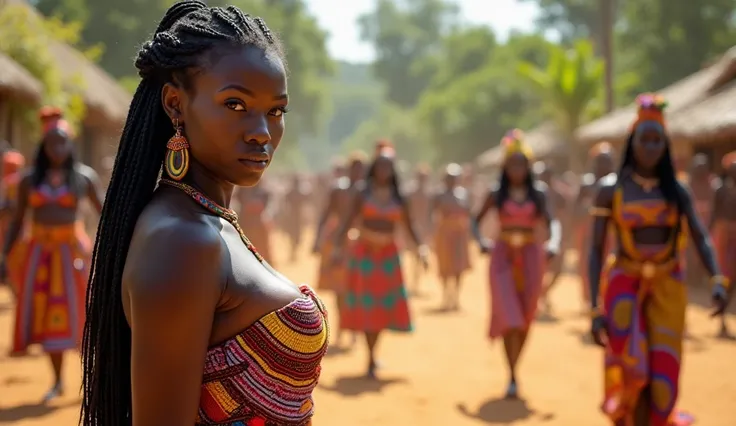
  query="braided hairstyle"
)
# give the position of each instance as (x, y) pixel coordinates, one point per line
(188, 33)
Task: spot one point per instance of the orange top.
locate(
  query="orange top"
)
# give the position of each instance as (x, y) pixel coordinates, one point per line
(45, 194)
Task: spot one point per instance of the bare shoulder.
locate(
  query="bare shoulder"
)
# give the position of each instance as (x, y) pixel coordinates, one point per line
(174, 253)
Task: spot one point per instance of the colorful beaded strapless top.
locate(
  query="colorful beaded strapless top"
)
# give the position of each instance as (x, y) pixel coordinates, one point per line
(265, 375)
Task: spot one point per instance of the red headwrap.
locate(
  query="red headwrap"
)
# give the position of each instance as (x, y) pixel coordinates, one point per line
(728, 159)
(651, 108)
(53, 118)
(12, 162)
(384, 148)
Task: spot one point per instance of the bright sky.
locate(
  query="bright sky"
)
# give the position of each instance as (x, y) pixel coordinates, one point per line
(344, 43)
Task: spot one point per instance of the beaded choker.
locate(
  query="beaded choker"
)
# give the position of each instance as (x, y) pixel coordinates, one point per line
(225, 213)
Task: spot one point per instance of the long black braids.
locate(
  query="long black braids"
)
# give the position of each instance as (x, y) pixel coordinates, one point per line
(187, 33)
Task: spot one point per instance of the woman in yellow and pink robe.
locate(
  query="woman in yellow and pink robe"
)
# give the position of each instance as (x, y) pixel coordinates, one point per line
(518, 256)
(640, 316)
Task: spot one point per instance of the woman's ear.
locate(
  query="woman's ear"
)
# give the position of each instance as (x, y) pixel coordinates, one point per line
(171, 97)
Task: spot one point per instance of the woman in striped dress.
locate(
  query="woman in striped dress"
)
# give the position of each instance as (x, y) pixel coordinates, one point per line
(519, 255)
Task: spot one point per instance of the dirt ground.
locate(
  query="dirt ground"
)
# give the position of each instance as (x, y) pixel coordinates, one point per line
(446, 373)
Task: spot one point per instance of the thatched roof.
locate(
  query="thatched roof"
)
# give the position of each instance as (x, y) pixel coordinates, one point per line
(712, 119)
(687, 92)
(545, 141)
(107, 103)
(17, 82)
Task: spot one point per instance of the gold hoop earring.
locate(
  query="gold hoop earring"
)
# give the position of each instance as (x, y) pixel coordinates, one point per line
(177, 155)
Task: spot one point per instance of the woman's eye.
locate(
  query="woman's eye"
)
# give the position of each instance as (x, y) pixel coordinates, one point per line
(279, 112)
(235, 105)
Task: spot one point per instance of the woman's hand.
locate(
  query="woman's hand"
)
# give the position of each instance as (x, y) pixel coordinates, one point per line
(599, 330)
(719, 296)
(486, 245)
(423, 254)
(552, 250)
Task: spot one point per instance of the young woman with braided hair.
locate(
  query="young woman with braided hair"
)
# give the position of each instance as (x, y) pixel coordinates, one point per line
(186, 323)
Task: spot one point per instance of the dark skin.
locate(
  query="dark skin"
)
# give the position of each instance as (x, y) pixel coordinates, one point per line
(338, 205)
(381, 192)
(703, 190)
(189, 281)
(58, 147)
(452, 199)
(517, 169)
(648, 149)
(722, 210)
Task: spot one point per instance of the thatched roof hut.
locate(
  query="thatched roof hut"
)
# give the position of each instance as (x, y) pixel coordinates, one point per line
(711, 120)
(17, 83)
(107, 102)
(614, 127)
(545, 140)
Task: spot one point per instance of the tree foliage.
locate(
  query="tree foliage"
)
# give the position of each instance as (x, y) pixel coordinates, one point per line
(26, 38)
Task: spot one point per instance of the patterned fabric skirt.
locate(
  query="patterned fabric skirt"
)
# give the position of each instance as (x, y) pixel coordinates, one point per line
(516, 276)
(50, 270)
(375, 297)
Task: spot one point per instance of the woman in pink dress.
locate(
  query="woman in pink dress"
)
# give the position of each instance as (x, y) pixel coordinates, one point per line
(519, 255)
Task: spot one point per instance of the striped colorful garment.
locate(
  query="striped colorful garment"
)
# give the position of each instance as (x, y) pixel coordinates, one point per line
(452, 244)
(517, 269)
(644, 302)
(265, 375)
(375, 297)
(50, 269)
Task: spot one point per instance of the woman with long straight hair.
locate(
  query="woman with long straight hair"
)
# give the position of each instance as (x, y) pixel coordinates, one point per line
(519, 254)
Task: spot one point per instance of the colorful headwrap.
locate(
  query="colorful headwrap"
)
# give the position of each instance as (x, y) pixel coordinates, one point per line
(513, 143)
(12, 162)
(600, 148)
(728, 159)
(384, 148)
(651, 109)
(53, 118)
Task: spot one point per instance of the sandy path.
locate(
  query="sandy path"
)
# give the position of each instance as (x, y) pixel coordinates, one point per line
(446, 373)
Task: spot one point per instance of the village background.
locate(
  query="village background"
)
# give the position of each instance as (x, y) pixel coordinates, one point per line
(444, 85)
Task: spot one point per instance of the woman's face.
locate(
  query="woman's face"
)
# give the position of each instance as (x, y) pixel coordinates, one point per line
(384, 169)
(517, 168)
(649, 145)
(233, 115)
(57, 146)
(603, 164)
(357, 171)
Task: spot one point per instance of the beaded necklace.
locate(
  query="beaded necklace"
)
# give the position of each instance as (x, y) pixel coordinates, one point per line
(225, 213)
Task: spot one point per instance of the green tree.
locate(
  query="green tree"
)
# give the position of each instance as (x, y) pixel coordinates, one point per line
(26, 37)
(569, 86)
(403, 34)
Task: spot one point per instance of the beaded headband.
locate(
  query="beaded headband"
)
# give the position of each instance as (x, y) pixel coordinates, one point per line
(651, 108)
(513, 143)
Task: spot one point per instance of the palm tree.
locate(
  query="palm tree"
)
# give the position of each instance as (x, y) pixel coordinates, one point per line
(569, 87)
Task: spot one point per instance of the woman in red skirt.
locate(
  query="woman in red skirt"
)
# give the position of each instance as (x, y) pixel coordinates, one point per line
(376, 297)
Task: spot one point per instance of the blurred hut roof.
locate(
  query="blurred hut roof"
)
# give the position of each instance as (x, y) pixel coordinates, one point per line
(17, 82)
(614, 127)
(712, 119)
(107, 102)
(545, 140)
